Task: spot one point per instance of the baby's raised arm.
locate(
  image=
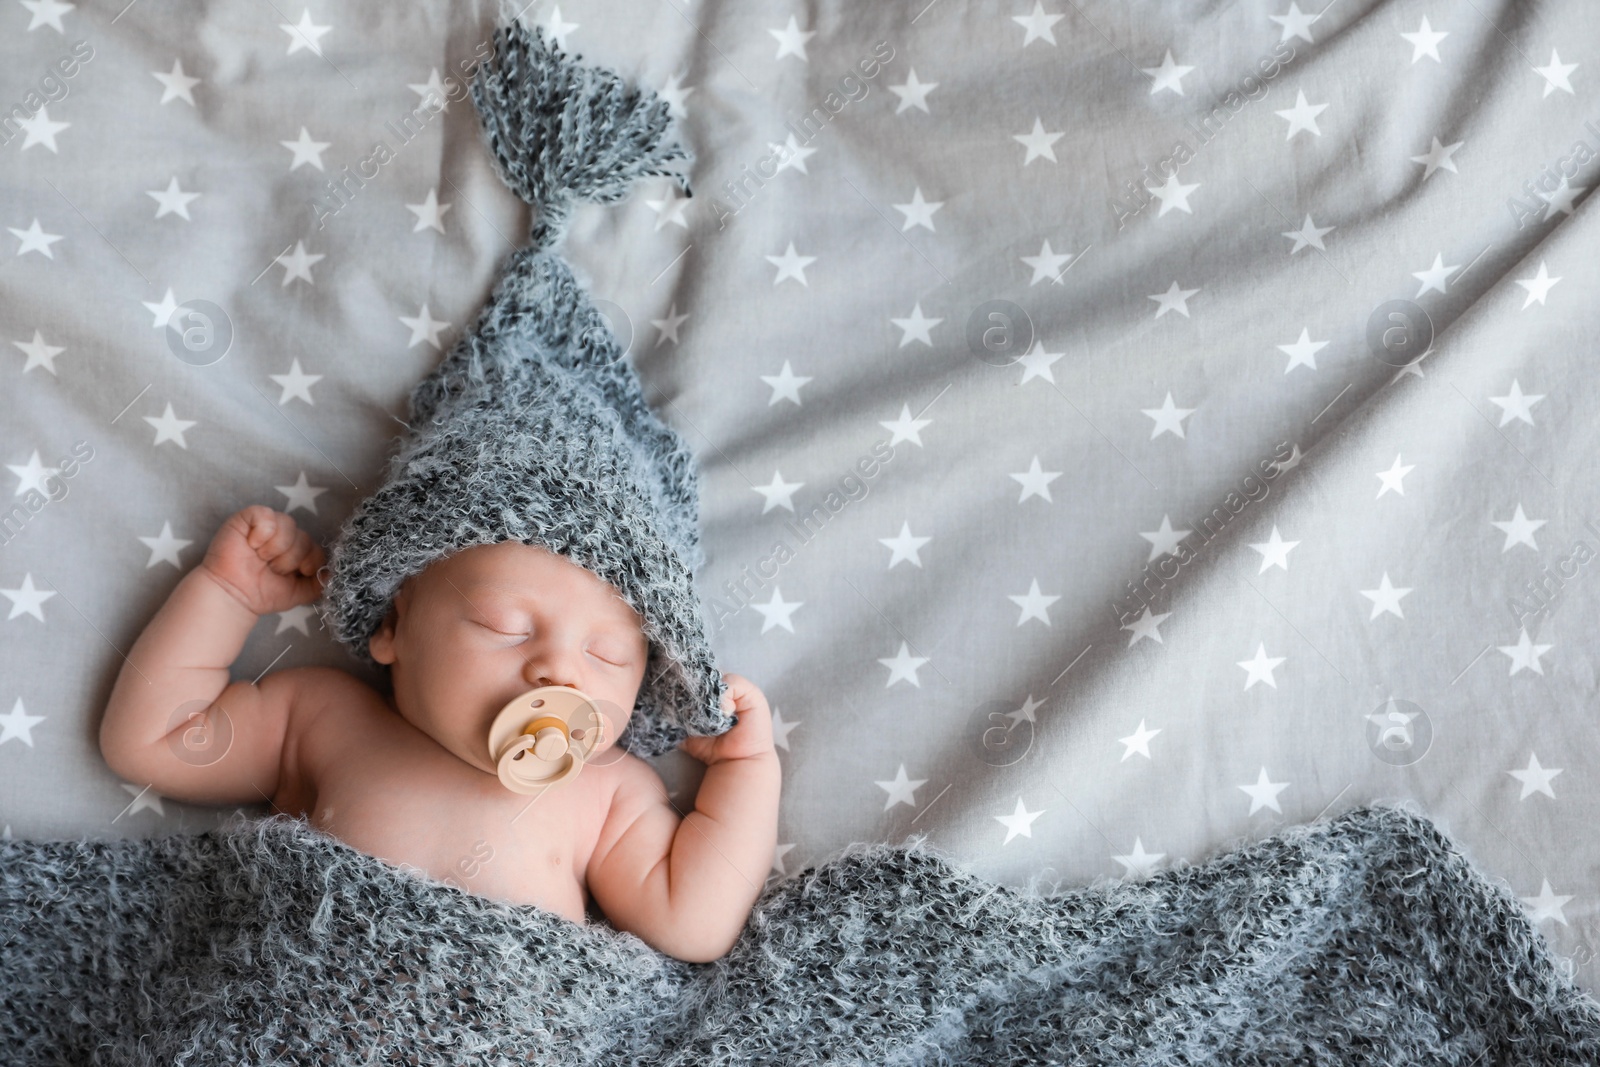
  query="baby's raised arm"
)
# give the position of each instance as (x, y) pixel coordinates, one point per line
(686, 886)
(174, 722)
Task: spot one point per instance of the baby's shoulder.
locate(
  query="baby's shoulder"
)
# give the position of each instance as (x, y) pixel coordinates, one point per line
(324, 704)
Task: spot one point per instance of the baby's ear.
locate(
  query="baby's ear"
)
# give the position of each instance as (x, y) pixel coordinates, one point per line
(381, 644)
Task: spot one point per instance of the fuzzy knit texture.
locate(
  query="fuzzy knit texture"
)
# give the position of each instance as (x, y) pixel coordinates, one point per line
(534, 428)
(1367, 938)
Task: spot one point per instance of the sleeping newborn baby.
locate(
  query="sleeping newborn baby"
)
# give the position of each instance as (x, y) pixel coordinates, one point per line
(407, 777)
(537, 526)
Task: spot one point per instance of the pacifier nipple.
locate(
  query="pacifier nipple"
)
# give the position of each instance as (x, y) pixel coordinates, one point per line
(542, 738)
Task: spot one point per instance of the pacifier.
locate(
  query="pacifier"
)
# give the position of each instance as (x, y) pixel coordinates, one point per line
(543, 737)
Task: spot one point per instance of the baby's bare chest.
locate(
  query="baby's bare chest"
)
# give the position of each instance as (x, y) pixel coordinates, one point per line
(367, 777)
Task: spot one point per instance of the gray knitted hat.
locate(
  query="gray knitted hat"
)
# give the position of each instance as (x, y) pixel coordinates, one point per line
(534, 427)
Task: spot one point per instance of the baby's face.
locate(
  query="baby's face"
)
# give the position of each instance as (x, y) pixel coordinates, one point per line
(476, 629)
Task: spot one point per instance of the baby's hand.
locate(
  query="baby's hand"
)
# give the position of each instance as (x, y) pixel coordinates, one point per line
(751, 734)
(265, 561)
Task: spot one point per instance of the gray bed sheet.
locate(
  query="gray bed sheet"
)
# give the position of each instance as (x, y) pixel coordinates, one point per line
(1126, 429)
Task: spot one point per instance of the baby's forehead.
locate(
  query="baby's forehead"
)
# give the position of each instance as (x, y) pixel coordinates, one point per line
(519, 572)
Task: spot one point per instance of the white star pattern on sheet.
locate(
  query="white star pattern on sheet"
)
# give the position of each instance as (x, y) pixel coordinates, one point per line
(144, 799)
(1538, 286)
(669, 208)
(1391, 479)
(1525, 653)
(1438, 158)
(903, 667)
(1303, 116)
(1001, 207)
(792, 40)
(1259, 667)
(423, 327)
(169, 427)
(305, 34)
(904, 546)
(791, 265)
(301, 494)
(777, 611)
(298, 264)
(916, 327)
(162, 309)
(793, 155)
(1555, 74)
(1435, 277)
(777, 493)
(1168, 418)
(1516, 405)
(431, 92)
(1047, 264)
(1036, 482)
(1147, 625)
(1302, 352)
(1167, 76)
(429, 213)
(294, 619)
(34, 239)
(901, 790)
(41, 130)
(781, 728)
(1535, 778)
(1310, 234)
(1173, 194)
(1164, 542)
(785, 385)
(905, 428)
(1385, 598)
(39, 355)
(1174, 299)
(1295, 23)
(1547, 905)
(1425, 42)
(1033, 603)
(913, 93)
(918, 212)
(1036, 363)
(1138, 863)
(172, 200)
(26, 599)
(164, 547)
(47, 13)
(1038, 25)
(1137, 742)
(669, 325)
(1019, 822)
(1274, 551)
(1561, 201)
(18, 724)
(674, 92)
(296, 384)
(1264, 793)
(32, 475)
(1038, 142)
(305, 150)
(558, 29)
(1518, 530)
(176, 85)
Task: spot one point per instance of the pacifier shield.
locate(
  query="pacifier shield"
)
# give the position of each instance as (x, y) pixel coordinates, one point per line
(543, 737)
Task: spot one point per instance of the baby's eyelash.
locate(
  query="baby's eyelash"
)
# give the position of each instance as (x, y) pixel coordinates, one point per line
(622, 665)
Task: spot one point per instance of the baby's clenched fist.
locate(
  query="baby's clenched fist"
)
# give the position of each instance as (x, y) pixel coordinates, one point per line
(265, 561)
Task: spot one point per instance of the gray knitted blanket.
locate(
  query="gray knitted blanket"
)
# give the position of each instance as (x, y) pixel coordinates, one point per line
(1365, 939)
